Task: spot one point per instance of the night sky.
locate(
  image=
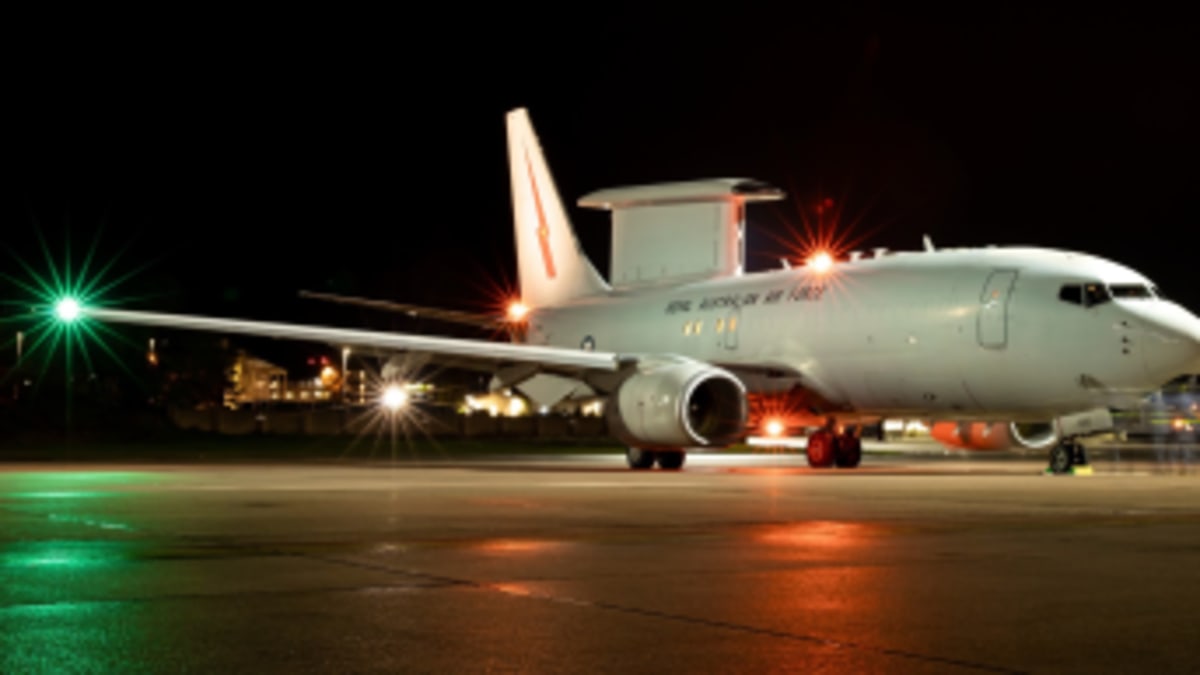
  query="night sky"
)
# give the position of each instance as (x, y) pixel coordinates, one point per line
(233, 163)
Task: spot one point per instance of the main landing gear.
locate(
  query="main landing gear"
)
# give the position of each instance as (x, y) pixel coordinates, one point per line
(670, 460)
(826, 449)
(1068, 456)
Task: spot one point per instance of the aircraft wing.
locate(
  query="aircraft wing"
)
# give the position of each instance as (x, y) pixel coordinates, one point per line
(557, 359)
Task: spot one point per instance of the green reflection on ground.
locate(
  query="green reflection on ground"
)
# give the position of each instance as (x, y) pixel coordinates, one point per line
(73, 637)
(36, 485)
(62, 554)
(56, 494)
(90, 522)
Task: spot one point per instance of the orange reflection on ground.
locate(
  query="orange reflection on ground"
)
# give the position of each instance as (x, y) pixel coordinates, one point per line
(513, 589)
(825, 585)
(819, 535)
(505, 546)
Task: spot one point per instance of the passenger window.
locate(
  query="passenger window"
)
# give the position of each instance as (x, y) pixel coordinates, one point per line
(1071, 294)
(687, 328)
(720, 325)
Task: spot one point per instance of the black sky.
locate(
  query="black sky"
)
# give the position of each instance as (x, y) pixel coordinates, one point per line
(242, 159)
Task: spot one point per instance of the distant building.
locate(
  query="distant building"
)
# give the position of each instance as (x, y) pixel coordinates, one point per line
(255, 381)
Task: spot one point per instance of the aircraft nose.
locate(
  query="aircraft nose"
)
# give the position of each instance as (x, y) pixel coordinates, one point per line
(1172, 343)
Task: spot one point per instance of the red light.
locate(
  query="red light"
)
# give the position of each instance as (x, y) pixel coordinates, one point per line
(517, 311)
(821, 262)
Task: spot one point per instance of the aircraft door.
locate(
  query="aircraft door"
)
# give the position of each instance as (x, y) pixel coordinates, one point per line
(733, 326)
(993, 309)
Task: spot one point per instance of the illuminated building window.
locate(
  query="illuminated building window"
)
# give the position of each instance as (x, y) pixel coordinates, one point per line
(732, 323)
(720, 325)
(687, 328)
(699, 325)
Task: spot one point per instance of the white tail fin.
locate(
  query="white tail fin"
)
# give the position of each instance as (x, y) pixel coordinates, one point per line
(551, 266)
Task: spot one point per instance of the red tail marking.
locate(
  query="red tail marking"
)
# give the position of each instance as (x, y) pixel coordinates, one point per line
(543, 230)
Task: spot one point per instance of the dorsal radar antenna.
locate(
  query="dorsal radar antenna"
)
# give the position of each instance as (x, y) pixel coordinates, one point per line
(928, 243)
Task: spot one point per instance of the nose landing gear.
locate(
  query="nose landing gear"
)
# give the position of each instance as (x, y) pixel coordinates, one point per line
(1069, 456)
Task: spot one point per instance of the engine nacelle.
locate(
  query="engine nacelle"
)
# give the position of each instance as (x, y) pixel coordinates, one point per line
(995, 435)
(678, 405)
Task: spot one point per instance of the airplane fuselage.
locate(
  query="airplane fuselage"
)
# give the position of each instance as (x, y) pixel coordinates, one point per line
(978, 334)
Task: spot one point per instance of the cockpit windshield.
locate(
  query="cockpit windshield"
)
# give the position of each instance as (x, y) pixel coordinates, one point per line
(1095, 293)
(1088, 295)
(1125, 291)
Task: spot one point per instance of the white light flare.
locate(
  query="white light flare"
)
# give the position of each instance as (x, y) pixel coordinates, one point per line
(394, 397)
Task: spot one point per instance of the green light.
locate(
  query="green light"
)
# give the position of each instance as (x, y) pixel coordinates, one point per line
(67, 309)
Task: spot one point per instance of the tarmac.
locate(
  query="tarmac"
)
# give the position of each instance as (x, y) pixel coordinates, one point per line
(918, 562)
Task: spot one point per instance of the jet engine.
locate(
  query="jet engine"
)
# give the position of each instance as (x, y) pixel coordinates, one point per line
(678, 405)
(995, 435)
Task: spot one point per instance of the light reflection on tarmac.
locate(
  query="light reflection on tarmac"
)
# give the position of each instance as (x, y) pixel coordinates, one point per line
(917, 562)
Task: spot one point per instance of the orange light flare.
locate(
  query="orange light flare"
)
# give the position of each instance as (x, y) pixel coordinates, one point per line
(821, 236)
(821, 262)
(500, 299)
(774, 427)
(517, 311)
(777, 415)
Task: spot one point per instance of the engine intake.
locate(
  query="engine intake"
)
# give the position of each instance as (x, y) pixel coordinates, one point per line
(675, 405)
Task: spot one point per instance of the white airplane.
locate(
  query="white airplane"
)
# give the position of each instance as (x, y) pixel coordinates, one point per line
(1023, 346)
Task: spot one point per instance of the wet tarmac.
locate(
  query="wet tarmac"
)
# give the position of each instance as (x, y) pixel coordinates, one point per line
(917, 562)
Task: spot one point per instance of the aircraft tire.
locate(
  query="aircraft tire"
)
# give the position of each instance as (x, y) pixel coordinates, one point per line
(1062, 457)
(847, 451)
(671, 460)
(638, 458)
(820, 449)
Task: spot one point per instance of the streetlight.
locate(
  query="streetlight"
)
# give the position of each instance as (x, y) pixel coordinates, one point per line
(345, 373)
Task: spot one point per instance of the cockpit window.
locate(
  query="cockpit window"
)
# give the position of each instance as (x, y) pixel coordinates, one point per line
(1072, 294)
(1095, 294)
(1124, 291)
(1087, 295)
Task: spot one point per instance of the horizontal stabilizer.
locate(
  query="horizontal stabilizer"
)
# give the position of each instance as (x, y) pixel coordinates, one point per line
(481, 321)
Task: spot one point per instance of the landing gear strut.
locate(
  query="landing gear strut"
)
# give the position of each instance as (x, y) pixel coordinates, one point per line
(1066, 455)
